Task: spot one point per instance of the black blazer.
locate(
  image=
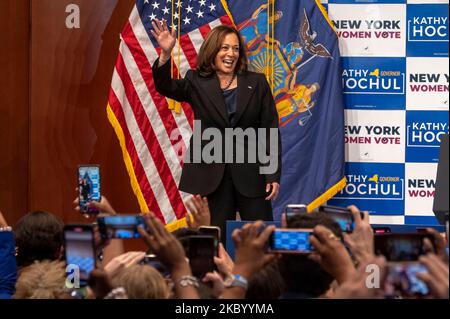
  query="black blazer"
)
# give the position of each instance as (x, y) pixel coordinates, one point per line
(255, 108)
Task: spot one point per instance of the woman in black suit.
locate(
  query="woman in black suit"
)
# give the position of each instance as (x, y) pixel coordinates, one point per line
(224, 96)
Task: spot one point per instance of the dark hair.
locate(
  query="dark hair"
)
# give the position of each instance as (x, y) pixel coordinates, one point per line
(301, 274)
(39, 236)
(267, 283)
(212, 45)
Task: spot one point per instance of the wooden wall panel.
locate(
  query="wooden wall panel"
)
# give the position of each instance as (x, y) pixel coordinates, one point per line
(14, 96)
(71, 72)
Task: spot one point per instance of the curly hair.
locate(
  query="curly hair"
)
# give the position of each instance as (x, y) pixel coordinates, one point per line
(42, 280)
(38, 236)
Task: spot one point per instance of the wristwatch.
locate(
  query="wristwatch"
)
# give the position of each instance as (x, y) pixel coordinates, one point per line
(236, 281)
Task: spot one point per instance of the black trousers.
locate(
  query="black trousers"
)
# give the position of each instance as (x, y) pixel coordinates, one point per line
(226, 200)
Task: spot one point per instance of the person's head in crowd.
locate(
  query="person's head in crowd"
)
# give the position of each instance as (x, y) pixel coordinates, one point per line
(39, 236)
(303, 277)
(42, 280)
(142, 282)
(266, 283)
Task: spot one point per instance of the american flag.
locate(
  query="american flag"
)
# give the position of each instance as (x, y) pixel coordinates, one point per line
(152, 136)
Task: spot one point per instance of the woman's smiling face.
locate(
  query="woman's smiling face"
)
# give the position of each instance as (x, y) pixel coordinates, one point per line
(228, 56)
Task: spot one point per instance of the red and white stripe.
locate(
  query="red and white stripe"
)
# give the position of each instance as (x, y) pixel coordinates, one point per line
(146, 120)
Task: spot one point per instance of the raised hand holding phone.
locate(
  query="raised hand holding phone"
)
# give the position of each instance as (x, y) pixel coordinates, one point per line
(341, 215)
(162, 243)
(251, 252)
(79, 248)
(213, 231)
(360, 241)
(88, 188)
(171, 253)
(104, 207)
(120, 226)
(437, 277)
(331, 254)
(200, 250)
(402, 247)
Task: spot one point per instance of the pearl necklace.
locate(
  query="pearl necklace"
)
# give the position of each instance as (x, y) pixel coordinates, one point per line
(229, 83)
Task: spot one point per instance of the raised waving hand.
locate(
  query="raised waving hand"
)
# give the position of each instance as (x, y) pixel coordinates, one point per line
(166, 39)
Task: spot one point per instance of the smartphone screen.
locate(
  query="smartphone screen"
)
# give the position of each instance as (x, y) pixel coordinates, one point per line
(402, 280)
(342, 216)
(401, 247)
(214, 232)
(200, 251)
(290, 240)
(345, 221)
(88, 187)
(111, 227)
(79, 249)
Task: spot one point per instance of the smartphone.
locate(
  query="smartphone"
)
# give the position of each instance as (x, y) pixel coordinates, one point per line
(342, 216)
(402, 280)
(294, 209)
(88, 187)
(153, 261)
(291, 240)
(79, 248)
(200, 252)
(213, 231)
(397, 247)
(124, 226)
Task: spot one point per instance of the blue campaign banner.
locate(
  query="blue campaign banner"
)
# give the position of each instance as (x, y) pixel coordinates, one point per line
(365, 1)
(374, 83)
(423, 135)
(427, 30)
(421, 220)
(377, 188)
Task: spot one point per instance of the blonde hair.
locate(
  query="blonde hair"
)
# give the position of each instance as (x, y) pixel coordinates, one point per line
(142, 282)
(42, 280)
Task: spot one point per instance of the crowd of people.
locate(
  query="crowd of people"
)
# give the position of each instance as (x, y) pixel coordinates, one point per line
(32, 263)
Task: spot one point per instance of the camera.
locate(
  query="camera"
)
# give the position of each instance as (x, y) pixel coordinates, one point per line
(79, 249)
(88, 187)
(122, 227)
(398, 247)
(200, 250)
(402, 280)
(342, 216)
